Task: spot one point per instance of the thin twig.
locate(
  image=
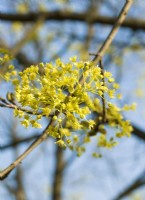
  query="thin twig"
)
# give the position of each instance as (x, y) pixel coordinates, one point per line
(4, 173)
(139, 182)
(113, 32)
(18, 142)
(27, 36)
(103, 96)
(3, 100)
(99, 55)
(13, 105)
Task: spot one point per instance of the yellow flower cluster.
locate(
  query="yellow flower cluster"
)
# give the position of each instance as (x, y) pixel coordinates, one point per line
(5, 56)
(55, 90)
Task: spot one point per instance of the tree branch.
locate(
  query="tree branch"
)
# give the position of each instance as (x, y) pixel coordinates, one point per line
(136, 184)
(18, 142)
(27, 36)
(58, 174)
(132, 23)
(13, 105)
(113, 32)
(4, 173)
(138, 133)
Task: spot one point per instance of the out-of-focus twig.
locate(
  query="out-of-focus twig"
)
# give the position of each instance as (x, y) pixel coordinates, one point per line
(132, 23)
(13, 105)
(27, 36)
(58, 174)
(4, 173)
(140, 181)
(18, 142)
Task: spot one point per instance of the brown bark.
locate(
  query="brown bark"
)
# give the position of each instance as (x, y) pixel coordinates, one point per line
(58, 175)
(140, 181)
(132, 23)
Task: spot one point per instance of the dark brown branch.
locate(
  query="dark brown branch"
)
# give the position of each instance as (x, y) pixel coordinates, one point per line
(19, 191)
(103, 96)
(138, 133)
(4, 173)
(22, 59)
(58, 174)
(140, 181)
(18, 142)
(27, 36)
(132, 23)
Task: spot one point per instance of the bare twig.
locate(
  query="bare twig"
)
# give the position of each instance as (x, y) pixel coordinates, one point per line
(19, 191)
(136, 132)
(104, 47)
(13, 105)
(113, 32)
(103, 96)
(140, 181)
(18, 142)
(58, 174)
(4, 173)
(21, 57)
(27, 36)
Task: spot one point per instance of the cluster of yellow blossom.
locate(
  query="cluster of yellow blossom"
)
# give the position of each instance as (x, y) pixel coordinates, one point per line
(55, 90)
(5, 56)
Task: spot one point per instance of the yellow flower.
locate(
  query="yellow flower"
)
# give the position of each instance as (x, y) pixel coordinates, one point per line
(61, 143)
(58, 90)
(73, 59)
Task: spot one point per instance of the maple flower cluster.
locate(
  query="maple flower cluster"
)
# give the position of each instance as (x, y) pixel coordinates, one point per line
(54, 90)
